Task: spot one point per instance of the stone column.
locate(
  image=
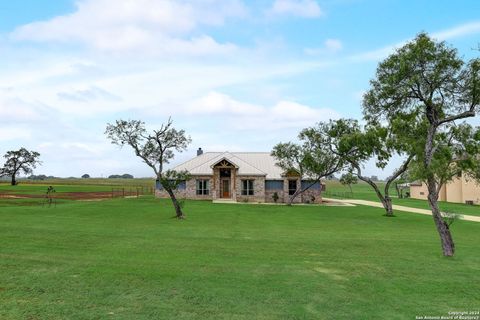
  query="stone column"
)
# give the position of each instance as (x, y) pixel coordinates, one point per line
(233, 177)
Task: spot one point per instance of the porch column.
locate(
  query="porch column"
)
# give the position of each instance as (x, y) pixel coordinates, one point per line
(233, 176)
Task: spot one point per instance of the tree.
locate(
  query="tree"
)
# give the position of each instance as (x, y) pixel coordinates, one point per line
(401, 183)
(428, 83)
(86, 176)
(308, 160)
(156, 149)
(357, 145)
(19, 161)
(347, 179)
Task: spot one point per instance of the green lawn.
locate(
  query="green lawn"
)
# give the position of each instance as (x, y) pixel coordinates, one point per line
(128, 259)
(37, 189)
(365, 192)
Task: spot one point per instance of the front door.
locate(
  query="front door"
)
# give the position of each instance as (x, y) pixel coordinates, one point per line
(225, 188)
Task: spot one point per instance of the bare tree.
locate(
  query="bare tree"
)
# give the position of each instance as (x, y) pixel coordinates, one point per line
(156, 149)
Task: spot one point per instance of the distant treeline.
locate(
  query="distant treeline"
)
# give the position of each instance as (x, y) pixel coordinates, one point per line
(123, 176)
(41, 177)
(85, 176)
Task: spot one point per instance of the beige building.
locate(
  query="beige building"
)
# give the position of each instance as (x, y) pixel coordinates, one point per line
(461, 190)
(240, 176)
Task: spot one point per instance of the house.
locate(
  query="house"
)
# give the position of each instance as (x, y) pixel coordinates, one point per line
(462, 189)
(241, 177)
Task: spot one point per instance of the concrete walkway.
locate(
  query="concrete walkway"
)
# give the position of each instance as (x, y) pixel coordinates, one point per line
(399, 208)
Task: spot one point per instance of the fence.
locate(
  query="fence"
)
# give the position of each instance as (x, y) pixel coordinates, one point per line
(132, 191)
(338, 194)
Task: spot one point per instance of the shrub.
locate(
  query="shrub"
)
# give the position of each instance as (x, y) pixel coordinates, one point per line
(275, 197)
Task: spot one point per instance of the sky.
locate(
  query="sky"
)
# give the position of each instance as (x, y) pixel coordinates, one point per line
(237, 75)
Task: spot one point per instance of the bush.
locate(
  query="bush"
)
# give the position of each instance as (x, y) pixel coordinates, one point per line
(275, 197)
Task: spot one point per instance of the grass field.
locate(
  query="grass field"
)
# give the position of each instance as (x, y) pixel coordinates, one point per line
(128, 259)
(33, 192)
(365, 192)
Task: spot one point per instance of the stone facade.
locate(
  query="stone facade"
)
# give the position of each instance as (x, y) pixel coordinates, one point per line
(260, 195)
(226, 171)
(258, 189)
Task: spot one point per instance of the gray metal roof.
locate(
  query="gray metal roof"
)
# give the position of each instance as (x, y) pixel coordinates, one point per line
(248, 163)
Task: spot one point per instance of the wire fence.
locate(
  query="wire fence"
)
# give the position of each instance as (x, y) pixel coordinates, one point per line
(338, 194)
(132, 191)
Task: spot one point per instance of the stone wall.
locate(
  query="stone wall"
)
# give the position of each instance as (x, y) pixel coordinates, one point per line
(298, 199)
(312, 194)
(269, 196)
(260, 194)
(190, 191)
(258, 189)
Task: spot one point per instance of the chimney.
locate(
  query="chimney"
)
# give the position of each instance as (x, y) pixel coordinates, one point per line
(199, 152)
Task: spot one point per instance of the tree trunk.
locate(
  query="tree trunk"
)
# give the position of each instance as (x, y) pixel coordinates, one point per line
(385, 200)
(350, 187)
(399, 195)
(448, 246)
(292, 197)
(14, 181)
(176, 205)
(387, 204)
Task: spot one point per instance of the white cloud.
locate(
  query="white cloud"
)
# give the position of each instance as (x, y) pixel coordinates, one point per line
(447, 34)
(16, 110)
(330, 46)
(222, 104)
(240, 115)
(333, 45)
(147, 26)
(458, 31)
(14, 133)
(90, 94)
(298, 8)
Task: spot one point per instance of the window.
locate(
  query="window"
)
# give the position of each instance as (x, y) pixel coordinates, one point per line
(202, 187)
(312, 185)
(274, 185)
(292, 187)
(247, 187)
(181, 186)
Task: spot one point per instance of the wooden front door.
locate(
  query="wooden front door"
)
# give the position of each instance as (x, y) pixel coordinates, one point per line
(225, 188)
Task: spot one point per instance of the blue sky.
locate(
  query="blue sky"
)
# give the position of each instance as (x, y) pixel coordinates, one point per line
(236, 75)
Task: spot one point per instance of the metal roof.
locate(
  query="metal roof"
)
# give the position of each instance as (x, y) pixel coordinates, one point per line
(249, 163)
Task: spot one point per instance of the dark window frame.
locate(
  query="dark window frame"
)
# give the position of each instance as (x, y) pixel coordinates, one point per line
(291, 191)
(248, 187)
(202, 187)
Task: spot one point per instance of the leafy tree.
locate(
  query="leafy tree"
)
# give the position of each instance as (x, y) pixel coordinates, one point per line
(356, 145)
(308, 159)
(427, 83)
(19, 161)
(86, 176)
(156, 149)
(347, 179)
